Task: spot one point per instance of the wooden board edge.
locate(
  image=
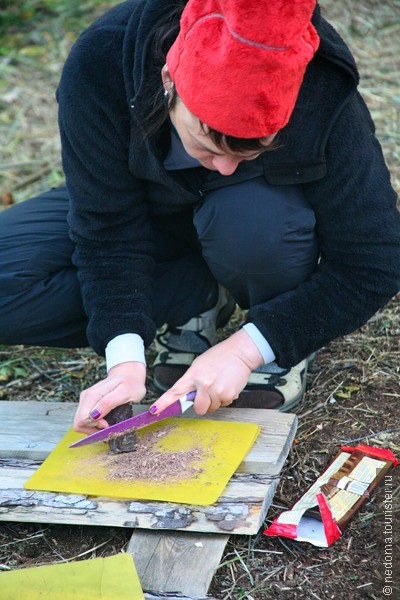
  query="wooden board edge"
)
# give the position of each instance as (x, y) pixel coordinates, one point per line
(181, 563)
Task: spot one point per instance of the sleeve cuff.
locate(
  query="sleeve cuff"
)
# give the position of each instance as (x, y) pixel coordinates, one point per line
(128, 347)
(260, 341)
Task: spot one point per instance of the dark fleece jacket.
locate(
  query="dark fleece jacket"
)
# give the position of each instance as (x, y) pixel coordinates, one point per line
(115, 180)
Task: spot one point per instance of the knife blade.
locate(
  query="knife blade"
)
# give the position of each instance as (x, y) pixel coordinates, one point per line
(146, 418)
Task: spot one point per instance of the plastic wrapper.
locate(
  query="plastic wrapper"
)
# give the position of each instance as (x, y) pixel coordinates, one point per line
(321, 515)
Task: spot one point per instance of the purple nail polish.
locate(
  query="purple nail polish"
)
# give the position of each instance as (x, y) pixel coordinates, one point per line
(95, 414)
(153, 409)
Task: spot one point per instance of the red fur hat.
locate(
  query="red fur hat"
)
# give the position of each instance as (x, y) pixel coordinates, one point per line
(238, 64)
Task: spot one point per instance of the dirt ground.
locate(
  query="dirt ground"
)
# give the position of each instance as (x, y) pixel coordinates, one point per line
(353, 388)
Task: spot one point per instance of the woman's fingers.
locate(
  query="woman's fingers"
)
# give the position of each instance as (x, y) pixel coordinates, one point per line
(125, 383)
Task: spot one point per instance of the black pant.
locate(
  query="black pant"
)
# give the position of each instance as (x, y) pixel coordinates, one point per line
(256, 240)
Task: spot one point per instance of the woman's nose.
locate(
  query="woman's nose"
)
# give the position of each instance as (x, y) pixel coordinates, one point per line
(226, 165)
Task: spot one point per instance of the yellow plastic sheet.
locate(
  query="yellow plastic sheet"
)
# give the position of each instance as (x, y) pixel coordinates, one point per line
(111, 578)
(225, 444)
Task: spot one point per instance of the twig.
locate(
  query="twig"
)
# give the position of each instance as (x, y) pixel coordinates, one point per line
(49, 377)
(23, 540)
(372, 435)
(33, 178)
(23, 163)
(65, 560)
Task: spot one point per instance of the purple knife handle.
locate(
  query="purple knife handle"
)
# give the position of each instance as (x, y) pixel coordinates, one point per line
(170, 411)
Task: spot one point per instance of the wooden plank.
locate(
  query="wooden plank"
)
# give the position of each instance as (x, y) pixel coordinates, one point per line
(176, 547)
(30, 436)
(35, 428)
(181, 563)
(271, 448)
(241, 509)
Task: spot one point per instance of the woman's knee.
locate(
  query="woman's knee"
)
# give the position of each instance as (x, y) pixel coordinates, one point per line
(256, 232)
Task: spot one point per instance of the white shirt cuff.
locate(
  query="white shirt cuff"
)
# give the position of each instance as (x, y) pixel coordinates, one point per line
(265, 349)
(127, 347)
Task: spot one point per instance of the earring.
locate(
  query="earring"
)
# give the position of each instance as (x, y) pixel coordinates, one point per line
(166, 99)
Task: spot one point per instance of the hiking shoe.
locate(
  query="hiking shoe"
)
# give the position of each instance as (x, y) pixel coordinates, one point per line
(270, 386)
(178, 346)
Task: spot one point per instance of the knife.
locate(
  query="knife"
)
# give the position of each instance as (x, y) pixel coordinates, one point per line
(146, 418)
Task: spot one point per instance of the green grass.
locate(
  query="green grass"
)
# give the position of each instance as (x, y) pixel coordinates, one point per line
(32, 17)
(22, 14)
(35, 39)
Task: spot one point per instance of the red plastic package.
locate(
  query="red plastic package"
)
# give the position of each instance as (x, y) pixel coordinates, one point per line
(321, 515)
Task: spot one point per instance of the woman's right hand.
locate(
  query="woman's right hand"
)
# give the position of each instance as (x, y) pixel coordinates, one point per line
(218, 375)
(124, 383)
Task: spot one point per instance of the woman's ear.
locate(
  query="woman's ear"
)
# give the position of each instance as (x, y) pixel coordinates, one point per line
(166, 79)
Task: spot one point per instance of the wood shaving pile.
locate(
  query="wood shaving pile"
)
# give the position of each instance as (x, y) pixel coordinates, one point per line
(149, 464)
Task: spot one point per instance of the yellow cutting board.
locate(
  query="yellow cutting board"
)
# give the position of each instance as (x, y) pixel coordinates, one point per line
(111, 578)
(78, 470)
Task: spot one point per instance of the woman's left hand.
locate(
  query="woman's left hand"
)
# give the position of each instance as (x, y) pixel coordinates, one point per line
(125, 382)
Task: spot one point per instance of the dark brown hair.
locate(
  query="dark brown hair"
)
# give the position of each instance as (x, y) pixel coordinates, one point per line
(221, 140)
